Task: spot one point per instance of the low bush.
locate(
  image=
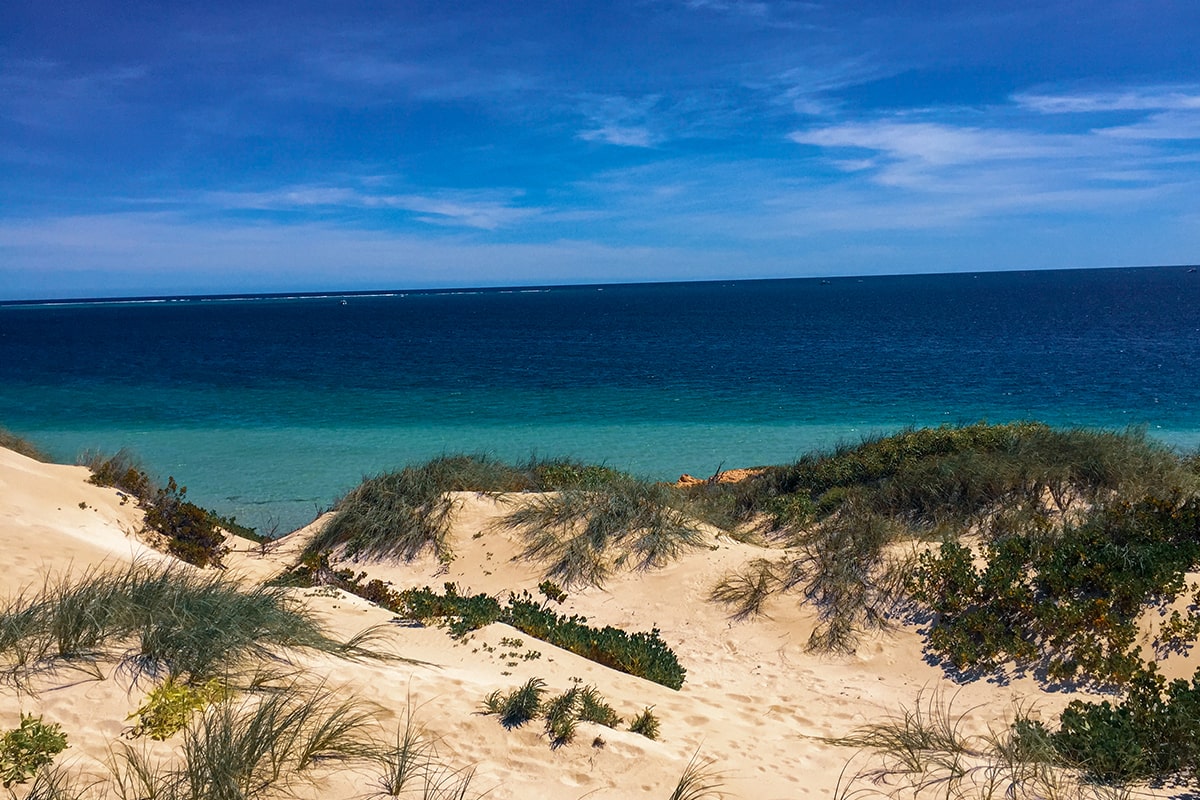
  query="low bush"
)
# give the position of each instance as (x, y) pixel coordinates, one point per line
(1070, 598)
(190, 533)
(27, 748)
(169, 706)
(643, 655)
(1149, 735)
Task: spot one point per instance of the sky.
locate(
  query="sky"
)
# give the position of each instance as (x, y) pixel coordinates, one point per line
(219, 147)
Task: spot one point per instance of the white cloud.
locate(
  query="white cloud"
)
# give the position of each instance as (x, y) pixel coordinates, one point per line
(619, 120)
(621, 136)
(485, 210)
(938, 143)
(1143, 99)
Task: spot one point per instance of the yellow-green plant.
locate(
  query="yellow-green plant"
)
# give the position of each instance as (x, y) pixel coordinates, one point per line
(168, 707)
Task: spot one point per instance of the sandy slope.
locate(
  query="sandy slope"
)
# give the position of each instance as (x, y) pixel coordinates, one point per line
(755, 702)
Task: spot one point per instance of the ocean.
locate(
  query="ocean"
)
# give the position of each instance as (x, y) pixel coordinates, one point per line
(268, 407)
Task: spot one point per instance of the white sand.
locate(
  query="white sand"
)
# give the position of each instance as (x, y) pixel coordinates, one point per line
(755, 702)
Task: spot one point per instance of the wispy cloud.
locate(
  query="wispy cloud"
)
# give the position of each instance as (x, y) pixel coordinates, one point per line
(1153, 98)
(485, 210)
(619, 120)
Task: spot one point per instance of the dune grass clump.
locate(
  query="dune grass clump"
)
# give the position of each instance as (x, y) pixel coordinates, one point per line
(929, 749)
(645, 724)
(254, 745)
(407, 512)
(582, 535)
(158, 621)
(561, 713)
(698, 780)
(22, 445)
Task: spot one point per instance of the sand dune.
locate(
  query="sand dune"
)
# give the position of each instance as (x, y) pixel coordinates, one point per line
(755, 701)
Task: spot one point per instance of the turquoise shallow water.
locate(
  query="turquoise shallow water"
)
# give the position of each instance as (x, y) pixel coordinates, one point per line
(269, 408)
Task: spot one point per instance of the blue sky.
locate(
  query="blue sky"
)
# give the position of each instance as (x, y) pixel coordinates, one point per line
(175, 147)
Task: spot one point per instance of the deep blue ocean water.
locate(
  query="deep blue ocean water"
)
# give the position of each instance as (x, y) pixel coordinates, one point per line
(269, 408)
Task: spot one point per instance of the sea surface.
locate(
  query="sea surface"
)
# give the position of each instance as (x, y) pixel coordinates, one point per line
(268, 408)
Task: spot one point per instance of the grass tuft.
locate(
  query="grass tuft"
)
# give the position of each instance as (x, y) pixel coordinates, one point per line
(22, 445)
(583, 535)
(158, 621)
(698, 781)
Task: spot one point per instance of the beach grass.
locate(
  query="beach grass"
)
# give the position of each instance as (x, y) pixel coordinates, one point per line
(408, 512)
(23, 445)
(157, 621)
(583, 535)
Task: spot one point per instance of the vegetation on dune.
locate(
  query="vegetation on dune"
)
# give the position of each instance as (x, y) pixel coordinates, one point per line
(158, 621)
(560, 713)
(840, 516)
(28, 748)
(407, 512)
(1151, 734)
(641, 654)
(22, 445)
(583, 534)
(1097, 750)
(188, 532)
(1065, 598)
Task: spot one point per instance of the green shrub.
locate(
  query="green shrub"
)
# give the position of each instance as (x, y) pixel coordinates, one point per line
(1071, 598)
(168, 707)
(645, 723)
(191, 533)
(122, 470)
(1151, 734)
(644, 655)
(29, 747)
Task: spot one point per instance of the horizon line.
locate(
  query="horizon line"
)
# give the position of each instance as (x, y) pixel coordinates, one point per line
(334, 293)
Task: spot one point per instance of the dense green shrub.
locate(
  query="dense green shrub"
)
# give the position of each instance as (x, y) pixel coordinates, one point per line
(191, 533)
(29, 747)
(644, 655)
(1070, 597)
(1152, 734)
